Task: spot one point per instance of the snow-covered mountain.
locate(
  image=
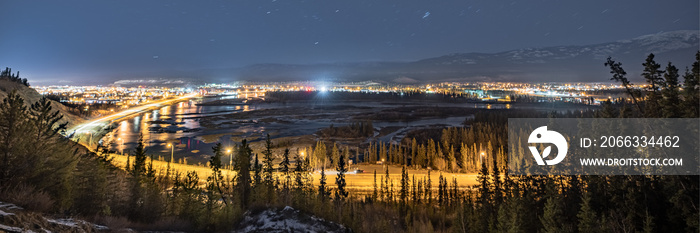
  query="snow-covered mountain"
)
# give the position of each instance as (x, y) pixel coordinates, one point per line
(659, 44)
(558, 63)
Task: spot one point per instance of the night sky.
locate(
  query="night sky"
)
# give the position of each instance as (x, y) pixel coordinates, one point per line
(50, 41)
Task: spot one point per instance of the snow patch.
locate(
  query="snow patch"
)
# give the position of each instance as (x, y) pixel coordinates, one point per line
(11, 229)
(287, 220)
(75, 223)
(9, 206)
(3, 213)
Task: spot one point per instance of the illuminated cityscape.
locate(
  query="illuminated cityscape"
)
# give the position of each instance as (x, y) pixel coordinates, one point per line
(123, 97)
(350, 116)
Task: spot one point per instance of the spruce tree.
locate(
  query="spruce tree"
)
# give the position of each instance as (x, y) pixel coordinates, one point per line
(341, 193)
(335, 155)
(374, 193)
(441, 193)
(691, 94)
(284, 167)
(257, 172)
(484, 187)
(46, 121)
(670, 93)
(551, 219)
(463, 162)
(13, 115)
(691, 88)
(403, 192)
(652, 75)
(428, 190)
(619, 75)
(299, 172)
(587, 219)
(268, 168)
(215, 182)
(497, 184)
(323, 191)
(414, 152)
(320, 153)
(242, 168)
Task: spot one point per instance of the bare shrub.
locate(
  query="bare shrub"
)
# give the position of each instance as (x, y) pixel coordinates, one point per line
(27, 197)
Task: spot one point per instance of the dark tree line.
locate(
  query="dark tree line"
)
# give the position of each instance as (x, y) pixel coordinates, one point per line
(7, 74)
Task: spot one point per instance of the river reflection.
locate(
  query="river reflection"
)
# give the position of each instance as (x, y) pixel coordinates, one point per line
(176, 124)
(179, 124)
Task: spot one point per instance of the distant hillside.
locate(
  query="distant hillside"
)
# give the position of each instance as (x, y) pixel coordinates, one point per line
(31, 96)
(559, 63)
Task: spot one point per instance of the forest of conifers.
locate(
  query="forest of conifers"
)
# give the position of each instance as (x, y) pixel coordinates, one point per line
(45, 172)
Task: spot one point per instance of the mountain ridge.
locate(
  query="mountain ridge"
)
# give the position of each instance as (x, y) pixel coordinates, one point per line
(574, 63)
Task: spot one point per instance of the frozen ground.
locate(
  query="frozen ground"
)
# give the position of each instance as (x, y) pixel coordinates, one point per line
(286, 220)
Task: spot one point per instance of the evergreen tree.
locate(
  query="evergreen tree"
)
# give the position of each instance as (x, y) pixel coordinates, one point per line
(431, 154)
(386, 191)
(284, 167)
(414, 193)
(691, 92)
(12, 124)
(341, 193)
(414, 151)
(268, 169)
(242, 168)
(552, 217)
(142, 187)
(320, 153)
(497, 184)
(652, 75)
(463, 162)
(441, 191)
(215, 182)
(428, 190)
(403, 192)
(484, 187)
(691, 88)
(257, 171)
(299, 172)
(619, 76)
(323, 191)
(46, 121)
(450, 158)
(374, 193)
(335, 155)
(587, 219)
(670, 93)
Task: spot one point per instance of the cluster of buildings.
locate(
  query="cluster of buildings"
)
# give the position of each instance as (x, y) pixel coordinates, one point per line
(587, 93)
(119, 96)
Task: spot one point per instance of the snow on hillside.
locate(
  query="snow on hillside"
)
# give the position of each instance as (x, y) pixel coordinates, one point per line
(14, 219)
(287, 220)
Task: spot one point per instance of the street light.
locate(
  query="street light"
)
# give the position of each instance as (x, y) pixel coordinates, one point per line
(172, 151)
(121, 145)
(480, 158)
(230, 158)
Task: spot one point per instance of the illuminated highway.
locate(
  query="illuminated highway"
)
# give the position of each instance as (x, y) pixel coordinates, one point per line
(97, 124)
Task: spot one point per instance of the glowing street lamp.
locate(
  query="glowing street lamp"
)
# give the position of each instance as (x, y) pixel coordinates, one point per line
(172, 151)
(480, 158)
(121, 145)
(230, 158)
